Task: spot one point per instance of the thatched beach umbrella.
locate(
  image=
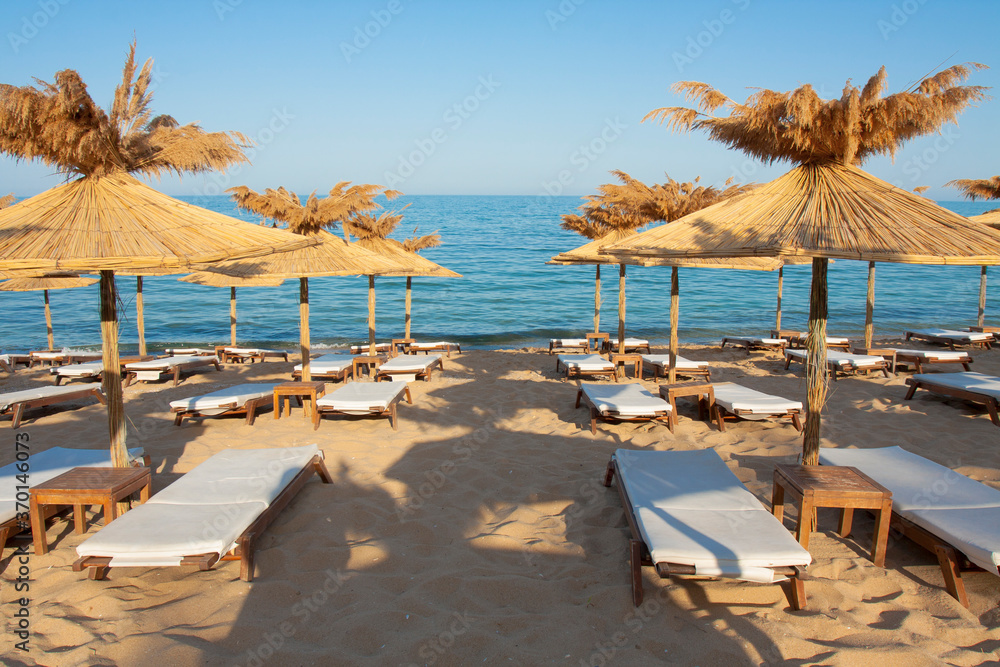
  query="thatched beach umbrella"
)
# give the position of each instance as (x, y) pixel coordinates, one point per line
(106, 220)
(983, 188)
(371, 233)
(67, 281)
(330, 256)
(618, 212)
(826, 207)
(220, 280)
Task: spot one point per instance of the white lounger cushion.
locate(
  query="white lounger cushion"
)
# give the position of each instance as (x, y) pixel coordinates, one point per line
(629, 399)
(737, 397)
(409, 363)
(585, 362)
(167, 363)
(238, 476)
(361, 397)
(48, 464)
(363, 349)
(47, 391)
(953, 334)
(222, 400)
(931, 355)
(162, 534)
(89, 369)
(969, 380)
(431, 346)
(841, 358)
(328, 363)
(693, 510)
(205, 511)
(962, 511)
(663, 360)
(568, 342)
(758, 341)
(631, 342)
(251, 351)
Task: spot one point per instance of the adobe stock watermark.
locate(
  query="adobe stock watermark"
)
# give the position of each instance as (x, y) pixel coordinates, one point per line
(562, 12)
(363, 35)
(265, 136)
(432, 650)
(33, 23)
(223, 7)
(696, 44)
(454, 117)
(900, 14)
(584, 156)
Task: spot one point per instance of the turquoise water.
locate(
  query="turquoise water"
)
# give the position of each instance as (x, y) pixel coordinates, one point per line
(508, 296)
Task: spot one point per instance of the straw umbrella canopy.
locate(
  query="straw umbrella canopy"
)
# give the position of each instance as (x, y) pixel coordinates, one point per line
(330, 256)
(106, 220)
(67, 281)
(371, 233)
(826, 207)
(220, 280)
(983, 188)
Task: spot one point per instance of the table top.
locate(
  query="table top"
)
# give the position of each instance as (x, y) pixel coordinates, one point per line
(93, 479)
(299, 386)
(687, 387)
(830, 479)
(626, 356)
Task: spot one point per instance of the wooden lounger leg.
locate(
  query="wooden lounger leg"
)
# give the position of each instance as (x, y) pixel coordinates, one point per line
(788, 360)
(251, 408)
(392, 416)
(913, 387)
(796, 421)
(178, 418)
(948, 560)
(635, 567)
(177, 375)
(18, 413)
(609, 473)
(991, 406)
(795, 590)
(579, 394)
(718, 418)
(593, 420)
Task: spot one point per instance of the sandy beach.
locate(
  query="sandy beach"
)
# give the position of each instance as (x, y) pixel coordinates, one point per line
(480, 533)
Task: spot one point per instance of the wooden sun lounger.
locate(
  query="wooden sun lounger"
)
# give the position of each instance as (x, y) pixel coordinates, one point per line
(952, 516)
(409, 367)
(590, 342)
(736, 401)
(750, 344)
(969, 386)
(951, 337)
(19, 401)
(251, 354)
(241, 399)
(90, 370)
(256, 503)
(43, 466)
(659, 364)
(440, 346)
(690, 515)
(843, 362)
(15, 359)
(798, 341)
(190, 352)
(377, 399)
(631, 345)
(623, 402)
(5, 364)
(917, 358)
(328, 367)
(578, 365)
(174, 365)
(56, 358)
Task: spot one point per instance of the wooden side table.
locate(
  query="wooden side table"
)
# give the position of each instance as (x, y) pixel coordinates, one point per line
(601, 340)
(370, 364)
(284, 392)
(704, 392)
(833, 486)
(621, 362)
(85, 486)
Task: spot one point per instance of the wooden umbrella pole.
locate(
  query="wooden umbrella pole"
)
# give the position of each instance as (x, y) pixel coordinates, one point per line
(870, 307)
(112, 375)
(982, 298)
(371, 315)
(621, 309)
(409, 291)
(140, 323)
(816, 368)
(781, 282)
(597, 301)
(675, 309)
(304, 328)
(48, 321)
(232, 316)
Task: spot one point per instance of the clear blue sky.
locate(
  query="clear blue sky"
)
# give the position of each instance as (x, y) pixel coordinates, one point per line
(534, 82)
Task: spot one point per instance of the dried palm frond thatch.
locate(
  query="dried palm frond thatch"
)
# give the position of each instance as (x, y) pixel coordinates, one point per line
(981, 188)
(60, 125)
(7, 200)
(283, 205)
(799, 126)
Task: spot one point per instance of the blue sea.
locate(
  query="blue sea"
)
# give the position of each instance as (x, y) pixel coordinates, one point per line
(508, 296)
